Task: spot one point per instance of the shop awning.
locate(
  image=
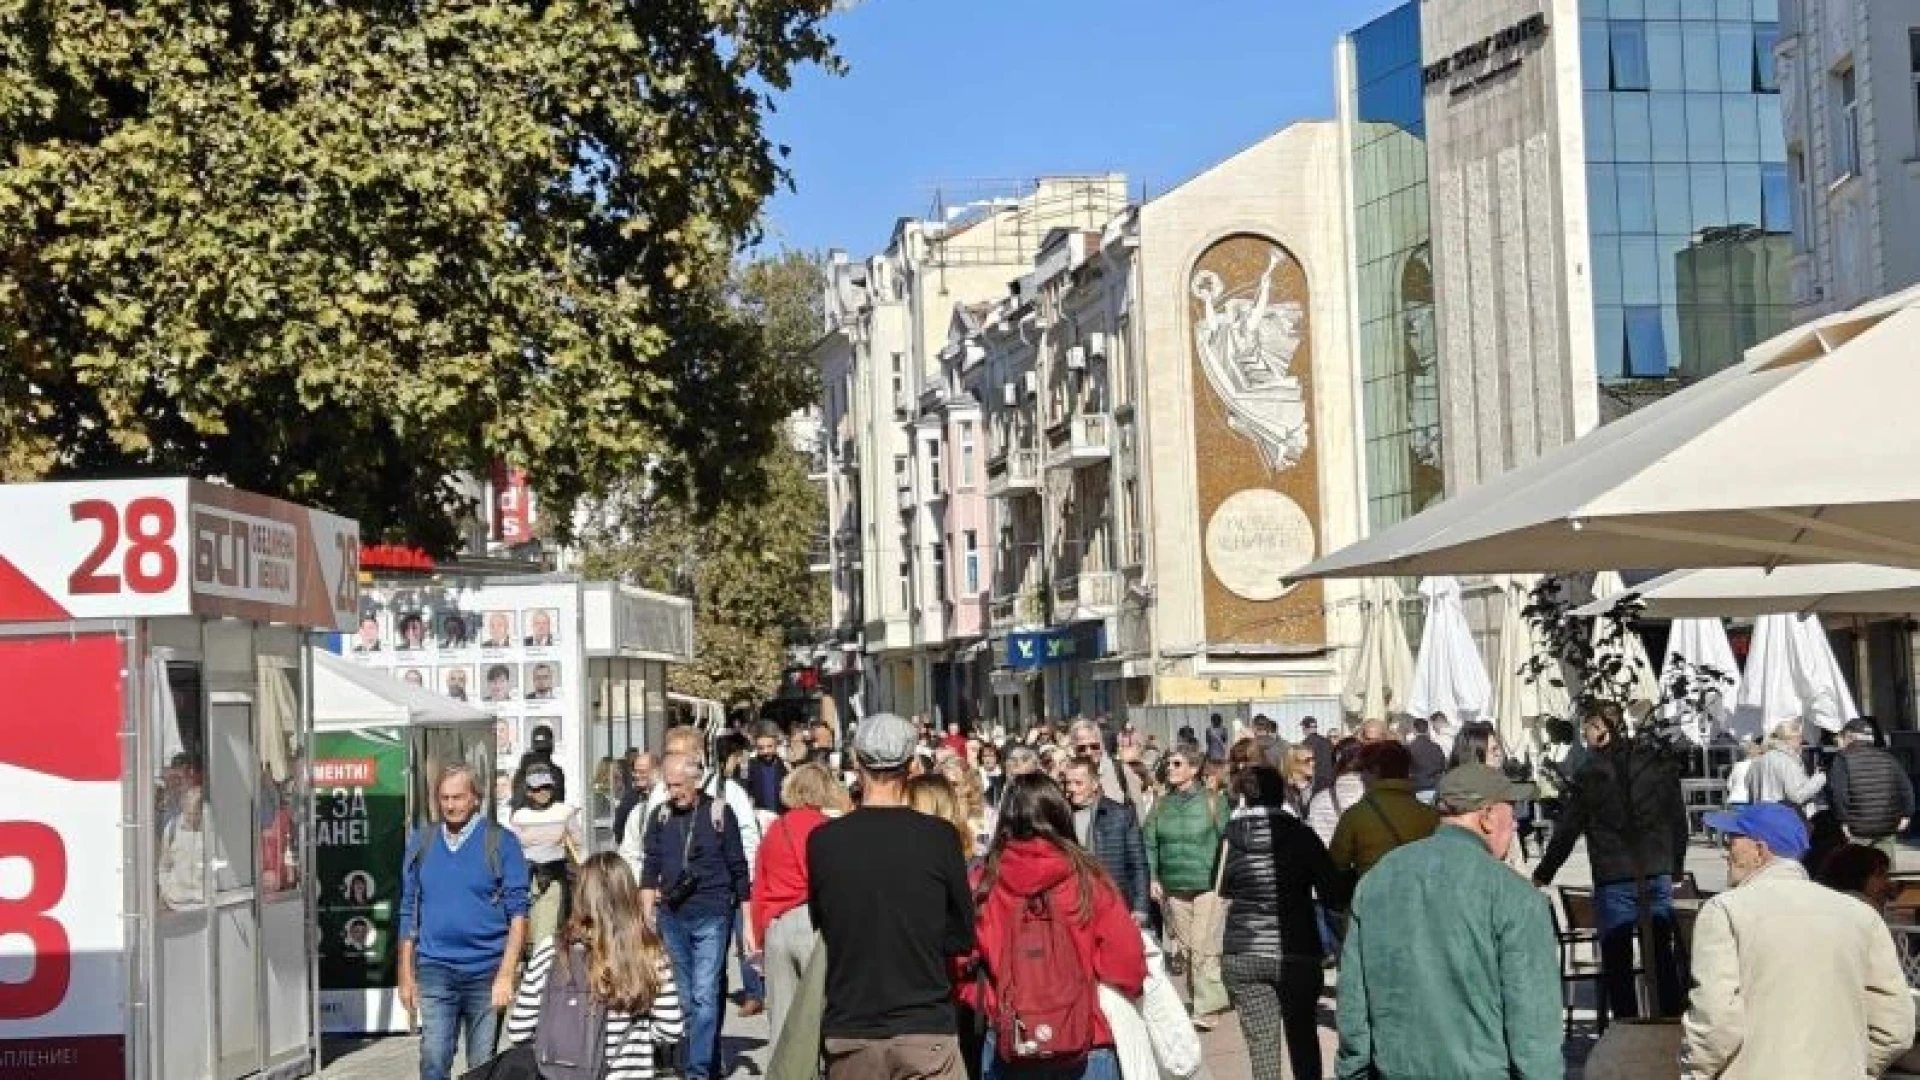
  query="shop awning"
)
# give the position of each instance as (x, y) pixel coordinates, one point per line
(348, 695)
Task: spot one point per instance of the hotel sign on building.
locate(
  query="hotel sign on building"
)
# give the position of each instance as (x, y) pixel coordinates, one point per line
(1491, 58)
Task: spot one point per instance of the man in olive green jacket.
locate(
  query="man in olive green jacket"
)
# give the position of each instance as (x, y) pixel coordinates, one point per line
(1450, 970)
(1183, 846)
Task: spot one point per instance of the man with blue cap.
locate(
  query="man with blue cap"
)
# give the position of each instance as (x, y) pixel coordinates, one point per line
(1790, 978)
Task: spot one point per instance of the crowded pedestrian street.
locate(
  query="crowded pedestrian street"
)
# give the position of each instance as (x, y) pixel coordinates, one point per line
(959, 540)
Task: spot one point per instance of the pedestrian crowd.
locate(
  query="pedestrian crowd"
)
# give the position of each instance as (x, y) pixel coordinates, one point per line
(1079, 903)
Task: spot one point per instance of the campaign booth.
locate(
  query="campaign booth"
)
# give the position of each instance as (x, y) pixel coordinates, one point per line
(378, 744)
(155, 886)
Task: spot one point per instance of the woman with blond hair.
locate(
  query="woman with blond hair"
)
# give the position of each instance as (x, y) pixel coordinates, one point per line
(607, 949)
(972, 793)
(934, 794)
(811, 795)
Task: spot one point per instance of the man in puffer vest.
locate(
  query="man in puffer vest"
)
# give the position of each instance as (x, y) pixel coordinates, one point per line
(1869, 789)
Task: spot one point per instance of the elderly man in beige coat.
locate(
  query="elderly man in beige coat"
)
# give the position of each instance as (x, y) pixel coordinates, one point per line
(1791, 979)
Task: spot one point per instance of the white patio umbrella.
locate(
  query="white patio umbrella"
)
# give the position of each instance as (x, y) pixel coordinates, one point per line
(1745, 592)
(1448, 675)
(1703, 642)
(1520, 704)
(1743, 469)
(1639, 688)
(1381, 679)
(1791, 675)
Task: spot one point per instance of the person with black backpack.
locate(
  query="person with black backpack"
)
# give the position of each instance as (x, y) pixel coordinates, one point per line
(463, 924)
(1052, 928)
(597, 1000)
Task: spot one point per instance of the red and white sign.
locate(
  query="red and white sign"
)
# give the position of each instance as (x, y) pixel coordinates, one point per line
(151, 548)
(62, 965)
(512, 505)
(346, 772)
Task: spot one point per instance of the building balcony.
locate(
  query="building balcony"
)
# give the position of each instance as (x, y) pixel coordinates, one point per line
(1024, 608)
(820, 555)
(904, 487)
(1092, 594)
(1086, 439)
(1017, 473)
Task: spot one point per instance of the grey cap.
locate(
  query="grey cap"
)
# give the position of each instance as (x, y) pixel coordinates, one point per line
(885, 742)
(539, 777)
(1466, 788)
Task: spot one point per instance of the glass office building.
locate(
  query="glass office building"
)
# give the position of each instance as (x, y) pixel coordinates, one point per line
(1687, 196)
(1398, 347)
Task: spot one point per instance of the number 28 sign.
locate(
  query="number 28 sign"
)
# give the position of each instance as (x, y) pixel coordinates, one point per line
(151, 548)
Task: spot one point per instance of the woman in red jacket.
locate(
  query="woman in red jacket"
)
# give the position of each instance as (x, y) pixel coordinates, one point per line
(811, 794)
(1036, 871)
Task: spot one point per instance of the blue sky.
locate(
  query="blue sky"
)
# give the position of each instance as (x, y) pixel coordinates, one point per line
(941, 92)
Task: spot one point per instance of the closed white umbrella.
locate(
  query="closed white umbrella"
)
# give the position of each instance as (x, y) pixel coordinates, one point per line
(1703, 643)
(1748, 592)
(1381, 679)
(1521, 703)
(1792, 675)
(1448, 675)
(1636, 687)
(1728, 472)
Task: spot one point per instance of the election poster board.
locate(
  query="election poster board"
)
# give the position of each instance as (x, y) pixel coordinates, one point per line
(62, 946)
(360, 835)
(513, 650)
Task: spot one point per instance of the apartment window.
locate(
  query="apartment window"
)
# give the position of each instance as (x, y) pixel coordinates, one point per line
(1629, 53)
(1802, 201)
(899, 384)
(940, 571)
(902, 475)
(966, 477)
(1846, 149)
(933, 466)
(972, 569)
(1765, 79)
(1776, 200)
(1913, 74)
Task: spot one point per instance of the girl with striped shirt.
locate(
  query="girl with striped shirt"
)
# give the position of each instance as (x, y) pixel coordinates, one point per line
(626, 969)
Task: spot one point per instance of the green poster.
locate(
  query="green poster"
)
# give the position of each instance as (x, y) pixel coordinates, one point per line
(360, 837)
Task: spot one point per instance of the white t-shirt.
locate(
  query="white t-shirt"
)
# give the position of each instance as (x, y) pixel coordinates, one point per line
(543, 833)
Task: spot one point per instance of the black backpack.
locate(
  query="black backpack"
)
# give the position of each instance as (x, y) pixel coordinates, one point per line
(571, 1040)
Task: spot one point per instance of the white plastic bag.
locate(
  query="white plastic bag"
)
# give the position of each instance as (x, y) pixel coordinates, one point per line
(1175, 1043)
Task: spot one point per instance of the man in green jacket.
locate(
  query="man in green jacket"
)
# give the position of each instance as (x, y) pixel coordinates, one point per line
(1183, 845)
(1450, 970)
(1386, 818)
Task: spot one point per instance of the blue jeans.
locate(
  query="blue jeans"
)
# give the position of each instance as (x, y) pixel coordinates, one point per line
(1614, 910)
(698, 947)
(752, 984)
(450, 1003)
(1101, 1064)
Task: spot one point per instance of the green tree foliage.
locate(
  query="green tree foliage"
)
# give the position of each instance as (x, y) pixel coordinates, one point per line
(340, 251)
(746, 564)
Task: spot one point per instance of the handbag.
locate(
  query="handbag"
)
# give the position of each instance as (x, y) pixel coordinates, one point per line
(514, 1063)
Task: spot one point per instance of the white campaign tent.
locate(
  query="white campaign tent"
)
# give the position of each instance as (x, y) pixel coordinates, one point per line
(1703, 642)
(1520, 703)
(1745, 592)
(1448, 675)
(1791, 675)
(1380, 682)
(350, 695)
(1742, 469)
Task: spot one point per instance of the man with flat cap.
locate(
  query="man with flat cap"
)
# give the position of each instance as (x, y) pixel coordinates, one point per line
(1450, 967)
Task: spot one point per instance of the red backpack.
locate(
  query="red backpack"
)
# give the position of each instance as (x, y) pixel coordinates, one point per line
(1046, 1001)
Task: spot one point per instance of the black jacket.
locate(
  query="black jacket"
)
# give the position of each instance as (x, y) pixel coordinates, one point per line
(1322, 759)
(1870, 791)
(1429, 762)
(1122, 851)
(1642, 813)
(1275, 868)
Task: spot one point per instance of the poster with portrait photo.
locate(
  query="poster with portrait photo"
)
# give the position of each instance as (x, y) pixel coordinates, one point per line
(410, 632)
(360, 936)
(496, 630)
(539, 628)
(457, 682)
(415, 677)
(506, 738)
(540, 681)
(456, 630)
(499, 683)
(368, 638)
(358, 889)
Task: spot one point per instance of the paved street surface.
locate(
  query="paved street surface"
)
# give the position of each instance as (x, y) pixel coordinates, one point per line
(396, 1058)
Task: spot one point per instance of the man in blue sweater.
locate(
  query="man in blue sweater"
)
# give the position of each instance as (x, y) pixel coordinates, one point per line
(693, 876)
(463, 922)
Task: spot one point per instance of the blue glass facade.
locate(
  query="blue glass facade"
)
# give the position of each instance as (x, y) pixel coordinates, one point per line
(1688, 203)
(1398, 347)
